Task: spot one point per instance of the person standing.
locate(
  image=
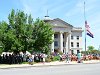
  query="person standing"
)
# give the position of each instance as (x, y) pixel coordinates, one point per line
(43, 57)
(67, 58)
(30, 60)
(0, 59)
(79, 57)
(33, 57)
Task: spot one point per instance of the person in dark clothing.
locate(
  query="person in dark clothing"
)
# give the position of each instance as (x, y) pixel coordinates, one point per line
(6, 59)
(0, 59)
(13, 59)
(10, 59)
(3, 59)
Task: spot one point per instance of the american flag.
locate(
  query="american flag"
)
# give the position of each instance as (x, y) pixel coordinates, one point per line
(88, 30)
(87, 26)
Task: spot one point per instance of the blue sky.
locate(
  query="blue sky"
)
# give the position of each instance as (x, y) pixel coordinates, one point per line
(71, 11)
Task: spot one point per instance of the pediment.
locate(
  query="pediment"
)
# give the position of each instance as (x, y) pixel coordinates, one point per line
(59, 23)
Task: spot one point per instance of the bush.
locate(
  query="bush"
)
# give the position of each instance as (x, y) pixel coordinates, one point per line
(56, 58)
(52, 58)
(48, 59)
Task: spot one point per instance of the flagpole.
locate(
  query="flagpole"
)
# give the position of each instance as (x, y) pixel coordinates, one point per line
(85, 24)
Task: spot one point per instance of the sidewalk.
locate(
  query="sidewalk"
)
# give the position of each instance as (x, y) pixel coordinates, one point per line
(3, 66)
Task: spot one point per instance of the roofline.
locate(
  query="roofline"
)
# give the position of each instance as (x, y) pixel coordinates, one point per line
(63, 22)
(77, 29)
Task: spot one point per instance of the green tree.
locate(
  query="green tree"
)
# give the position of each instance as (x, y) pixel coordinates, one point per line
(6, 36)
(21, 33)
(22, 26)
(90, 48)
(43, 36)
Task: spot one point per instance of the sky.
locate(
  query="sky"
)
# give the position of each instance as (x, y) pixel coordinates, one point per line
(71, 11)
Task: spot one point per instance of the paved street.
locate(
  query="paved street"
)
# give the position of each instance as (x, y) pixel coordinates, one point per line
(76, 69)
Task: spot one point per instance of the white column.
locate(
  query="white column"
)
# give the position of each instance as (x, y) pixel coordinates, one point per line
(52, 45)
(69, 41)
(61, 41)
(66, 42)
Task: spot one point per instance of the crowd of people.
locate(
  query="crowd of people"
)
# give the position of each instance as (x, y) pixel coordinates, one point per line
(79, 57)
(11, 58)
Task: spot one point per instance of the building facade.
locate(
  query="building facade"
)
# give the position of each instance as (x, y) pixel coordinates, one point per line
(66, 37)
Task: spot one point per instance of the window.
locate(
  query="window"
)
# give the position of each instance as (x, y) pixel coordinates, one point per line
(55, 35)
(72, 37)
(77, 37)
(77, 44)
(72, 44)
(56, 43)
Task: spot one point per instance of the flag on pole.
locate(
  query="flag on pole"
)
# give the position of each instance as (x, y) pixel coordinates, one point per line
(86, 25)
(88, 30)
(90, 34)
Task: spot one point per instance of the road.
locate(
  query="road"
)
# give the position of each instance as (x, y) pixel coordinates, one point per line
(78, 69)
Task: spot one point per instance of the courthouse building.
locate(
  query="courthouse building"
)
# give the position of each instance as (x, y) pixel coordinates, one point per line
(66, 37)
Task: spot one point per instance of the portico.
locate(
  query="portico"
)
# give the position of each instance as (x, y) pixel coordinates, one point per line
(62, 36)
(61, 41)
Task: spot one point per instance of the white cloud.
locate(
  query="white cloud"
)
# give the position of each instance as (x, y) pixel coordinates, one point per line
(27, 8)
(79, 7)
(75, 10)
(34, 7)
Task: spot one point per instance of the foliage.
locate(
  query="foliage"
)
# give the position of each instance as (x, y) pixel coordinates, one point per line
(6, 36)
(52, 58)
(1, 50)
(48, 59)
(43, 36)
(90, 48)
(56, 58)
(21, 24)
(91, 52)
(21, 33)
(85, 52)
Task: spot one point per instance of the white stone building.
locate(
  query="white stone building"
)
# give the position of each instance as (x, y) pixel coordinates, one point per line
(66, 37)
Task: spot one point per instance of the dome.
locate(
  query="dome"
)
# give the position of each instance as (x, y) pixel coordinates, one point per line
(47, 18)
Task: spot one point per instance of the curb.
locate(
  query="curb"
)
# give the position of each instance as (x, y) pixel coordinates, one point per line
(45, 64)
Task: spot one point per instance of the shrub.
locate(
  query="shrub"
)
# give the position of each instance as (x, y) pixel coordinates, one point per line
(48, 59)
(56, 58)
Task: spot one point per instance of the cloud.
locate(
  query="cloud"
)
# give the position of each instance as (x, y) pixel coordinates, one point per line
(27, 9)
(26, 6)
(39, 8)
(60, 6)
(74, 10)
(35, 7)
(79, 7)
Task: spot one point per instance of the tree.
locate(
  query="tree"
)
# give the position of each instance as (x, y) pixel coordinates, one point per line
(6, 36)
(18, 33)
(90, 48)
(21, 33)
(43, 36)
(22, 26)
